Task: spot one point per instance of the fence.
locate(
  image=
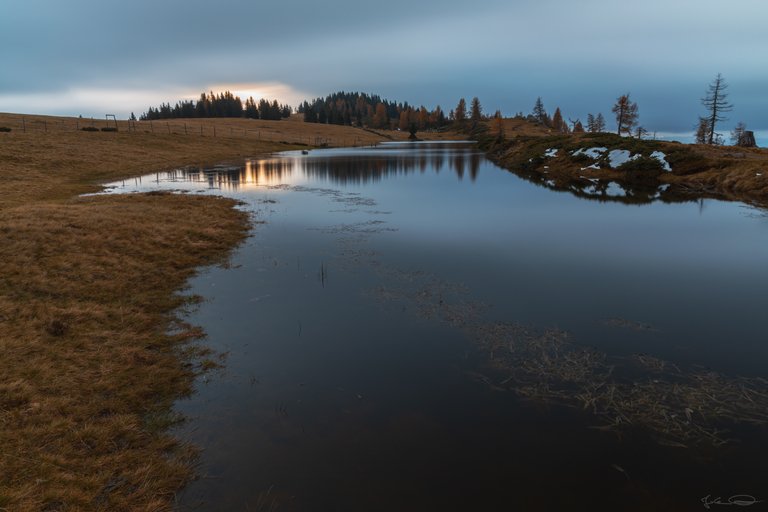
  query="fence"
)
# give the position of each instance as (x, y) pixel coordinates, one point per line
(291, 132)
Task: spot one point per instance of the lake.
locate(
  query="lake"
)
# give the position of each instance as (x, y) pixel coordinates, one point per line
(411, 327)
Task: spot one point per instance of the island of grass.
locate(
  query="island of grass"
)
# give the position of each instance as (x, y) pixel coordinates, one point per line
(588, 163)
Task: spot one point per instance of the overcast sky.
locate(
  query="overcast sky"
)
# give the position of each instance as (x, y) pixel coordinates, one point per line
(93, 57)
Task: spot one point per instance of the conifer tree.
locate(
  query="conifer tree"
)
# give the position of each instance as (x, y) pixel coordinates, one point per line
(460, 114)
(539, 112)
(557, 122)
(476, 111)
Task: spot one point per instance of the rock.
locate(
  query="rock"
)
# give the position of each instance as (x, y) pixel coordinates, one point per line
(747, 139)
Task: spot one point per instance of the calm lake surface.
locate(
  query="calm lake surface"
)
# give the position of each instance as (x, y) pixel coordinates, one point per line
(409, 328)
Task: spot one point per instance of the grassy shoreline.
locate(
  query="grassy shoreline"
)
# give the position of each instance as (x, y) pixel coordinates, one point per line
(697, 171)
(88, 291)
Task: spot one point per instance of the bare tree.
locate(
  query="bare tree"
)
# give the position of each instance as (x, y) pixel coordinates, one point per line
(626, 114)
(716, 102)
(576, 126)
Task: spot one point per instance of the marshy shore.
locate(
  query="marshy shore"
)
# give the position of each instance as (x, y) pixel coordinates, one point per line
(93, 355)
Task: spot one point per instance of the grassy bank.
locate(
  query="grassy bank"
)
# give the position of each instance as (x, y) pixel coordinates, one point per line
(88, 287)
(695, 170)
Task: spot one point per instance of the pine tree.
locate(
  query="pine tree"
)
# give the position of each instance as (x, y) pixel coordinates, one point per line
(539, 112)
(590, 123)
(460, 114)
(626, 114)
(477, 111)
(558, 124)
(716, 102)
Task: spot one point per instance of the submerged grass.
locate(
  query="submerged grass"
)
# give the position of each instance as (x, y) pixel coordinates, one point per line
(678, 407)
(92, 356)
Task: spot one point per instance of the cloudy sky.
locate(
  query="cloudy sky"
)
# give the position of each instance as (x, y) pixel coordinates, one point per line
(92, 57)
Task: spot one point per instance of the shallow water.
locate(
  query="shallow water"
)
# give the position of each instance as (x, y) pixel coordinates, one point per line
(358, 374)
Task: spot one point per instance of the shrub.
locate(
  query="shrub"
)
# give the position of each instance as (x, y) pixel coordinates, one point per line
(642, 164)
(4, 129)
(109, 129)
(89, 129)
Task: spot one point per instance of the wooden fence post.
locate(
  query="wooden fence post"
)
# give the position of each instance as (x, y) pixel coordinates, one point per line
(23, 125)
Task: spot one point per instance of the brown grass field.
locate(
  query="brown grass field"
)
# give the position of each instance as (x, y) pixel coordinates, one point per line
(88, 290)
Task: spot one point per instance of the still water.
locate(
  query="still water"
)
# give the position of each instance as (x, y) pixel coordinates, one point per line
(411, 327)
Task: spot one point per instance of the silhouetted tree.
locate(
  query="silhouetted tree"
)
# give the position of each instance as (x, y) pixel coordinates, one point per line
(476, 114)
(599, 123)
(460, 114)
(716, 102)
(626, 114)
(558, 123)
(539, 112)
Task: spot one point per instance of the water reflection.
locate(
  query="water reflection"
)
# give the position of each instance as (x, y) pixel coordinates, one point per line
(609, 191)
(341, 167)
(373, 324)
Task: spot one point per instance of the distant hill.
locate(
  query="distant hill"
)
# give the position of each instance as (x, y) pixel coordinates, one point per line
(370, 110)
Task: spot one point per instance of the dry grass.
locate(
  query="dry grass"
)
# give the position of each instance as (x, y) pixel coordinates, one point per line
(721, 171)
(88, 288)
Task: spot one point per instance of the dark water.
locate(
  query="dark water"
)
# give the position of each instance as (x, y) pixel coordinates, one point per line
(356, 377)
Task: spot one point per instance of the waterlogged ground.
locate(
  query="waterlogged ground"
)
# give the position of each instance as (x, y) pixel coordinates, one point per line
(413, 328)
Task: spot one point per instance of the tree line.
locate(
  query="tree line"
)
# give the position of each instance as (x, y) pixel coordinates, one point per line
(626, 114)
(224, 104)
(370, 110)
